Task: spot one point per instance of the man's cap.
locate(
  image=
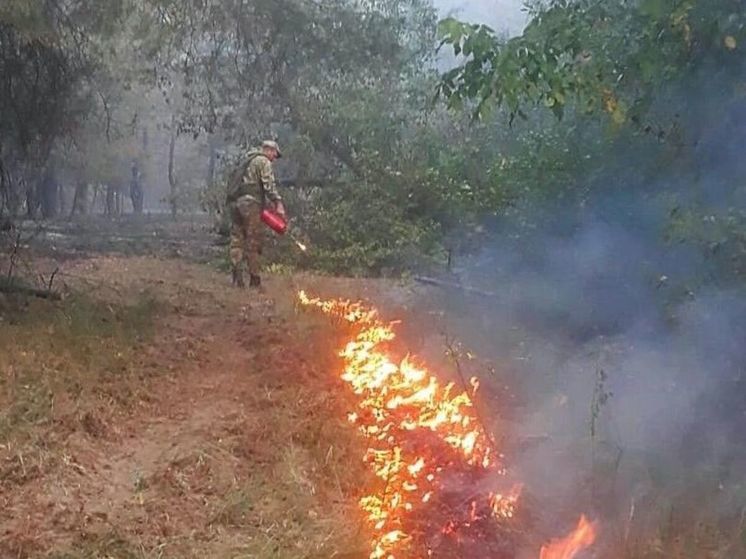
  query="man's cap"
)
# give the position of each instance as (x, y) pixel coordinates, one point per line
(273, 145)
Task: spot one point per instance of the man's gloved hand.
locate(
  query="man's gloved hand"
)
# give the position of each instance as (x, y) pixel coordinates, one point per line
(280, 209)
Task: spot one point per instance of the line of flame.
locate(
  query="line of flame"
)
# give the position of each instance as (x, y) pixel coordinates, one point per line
(394, 401)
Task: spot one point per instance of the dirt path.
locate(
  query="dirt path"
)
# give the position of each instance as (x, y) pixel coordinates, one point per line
(238, 447)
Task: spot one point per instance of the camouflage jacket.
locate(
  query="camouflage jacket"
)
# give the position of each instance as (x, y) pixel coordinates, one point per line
(258, 180)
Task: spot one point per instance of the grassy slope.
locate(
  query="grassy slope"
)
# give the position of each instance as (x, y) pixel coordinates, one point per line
(153, 423)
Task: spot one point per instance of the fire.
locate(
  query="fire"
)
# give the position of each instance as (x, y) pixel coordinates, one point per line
(300, 245)
(420, 430)
(567, 548)
(439, 474)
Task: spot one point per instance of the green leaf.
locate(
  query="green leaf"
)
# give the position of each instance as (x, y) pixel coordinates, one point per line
(654, 8)
(451, 30)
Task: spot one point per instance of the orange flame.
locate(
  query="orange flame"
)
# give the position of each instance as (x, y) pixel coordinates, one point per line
(300, 245)
(422, 434)
(400, 404)
(567, 548)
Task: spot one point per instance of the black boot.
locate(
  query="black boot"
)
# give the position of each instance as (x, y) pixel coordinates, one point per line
(238, 278)
(255, 281)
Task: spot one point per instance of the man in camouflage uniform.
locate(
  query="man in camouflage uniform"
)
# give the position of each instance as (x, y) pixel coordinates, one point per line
(255, 187)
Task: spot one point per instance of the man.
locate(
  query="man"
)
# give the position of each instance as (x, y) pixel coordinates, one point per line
(249, 192)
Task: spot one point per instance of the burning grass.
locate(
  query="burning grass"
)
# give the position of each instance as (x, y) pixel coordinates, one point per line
(439, 490)
(568, 547)
(265, 462)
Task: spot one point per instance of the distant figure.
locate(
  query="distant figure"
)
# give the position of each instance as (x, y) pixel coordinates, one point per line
(250, 188)
(136, 191)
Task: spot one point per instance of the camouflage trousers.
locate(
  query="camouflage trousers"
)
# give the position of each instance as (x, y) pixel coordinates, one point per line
(246, 234)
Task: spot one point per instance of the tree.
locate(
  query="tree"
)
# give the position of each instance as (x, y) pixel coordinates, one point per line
(51, 66)
(597, 57)
(343, 86)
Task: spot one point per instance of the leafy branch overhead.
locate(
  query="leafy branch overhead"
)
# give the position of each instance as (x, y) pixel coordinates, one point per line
(598, 57)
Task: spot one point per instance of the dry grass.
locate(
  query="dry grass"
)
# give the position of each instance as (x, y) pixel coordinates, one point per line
(62, 367)
(109, 546)
(136, 430)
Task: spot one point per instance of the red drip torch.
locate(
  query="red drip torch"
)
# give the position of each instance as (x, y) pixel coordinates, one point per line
(279, 225)
(274, 221)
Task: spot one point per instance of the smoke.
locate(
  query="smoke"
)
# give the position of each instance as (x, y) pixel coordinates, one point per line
(626, 352)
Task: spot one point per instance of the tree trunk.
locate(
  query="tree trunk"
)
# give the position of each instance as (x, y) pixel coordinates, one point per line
(96, 191)
(145, 159)
(80, 199)
(10, 190)
(119, 199)
(32, 200)
(61, 199)
(171, 173)
(136, 195)
(48, 197)
(110, 207)
(211, 163)
(4, 190)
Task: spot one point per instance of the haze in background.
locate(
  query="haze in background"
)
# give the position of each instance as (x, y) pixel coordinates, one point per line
(502, 15)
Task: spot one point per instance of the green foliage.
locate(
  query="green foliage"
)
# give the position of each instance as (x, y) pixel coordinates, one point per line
(601, 57)
(347, 88)
(628, 84)
(55, 79)
(360, 233)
